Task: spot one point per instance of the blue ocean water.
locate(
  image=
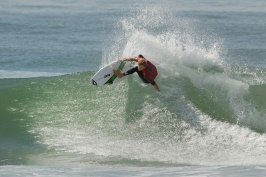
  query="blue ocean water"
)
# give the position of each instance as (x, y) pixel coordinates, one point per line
(208, 120)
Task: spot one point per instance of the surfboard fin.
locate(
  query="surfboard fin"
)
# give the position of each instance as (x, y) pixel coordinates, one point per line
(93, 82)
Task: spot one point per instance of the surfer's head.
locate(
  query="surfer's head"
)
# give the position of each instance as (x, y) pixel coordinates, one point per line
(141, 56)
(142, 64)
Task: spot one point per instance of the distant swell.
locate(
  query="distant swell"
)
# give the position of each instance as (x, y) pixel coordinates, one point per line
(26, 74)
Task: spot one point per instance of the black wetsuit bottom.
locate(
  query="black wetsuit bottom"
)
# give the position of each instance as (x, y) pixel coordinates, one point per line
(135, 69)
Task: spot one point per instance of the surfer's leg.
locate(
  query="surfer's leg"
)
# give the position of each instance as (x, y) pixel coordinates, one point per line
(142, 77)
(120, 75)
(135, 69)
(145, 81)
(131, 71)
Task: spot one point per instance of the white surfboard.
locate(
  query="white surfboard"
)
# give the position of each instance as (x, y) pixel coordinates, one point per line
(106, 75)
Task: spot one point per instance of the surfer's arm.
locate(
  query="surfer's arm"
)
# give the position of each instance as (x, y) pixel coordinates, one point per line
(130, 59)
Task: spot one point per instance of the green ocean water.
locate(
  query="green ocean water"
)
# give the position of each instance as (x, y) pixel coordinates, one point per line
(46, 115)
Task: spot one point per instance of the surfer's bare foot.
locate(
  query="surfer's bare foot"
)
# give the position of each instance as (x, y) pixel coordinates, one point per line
(118, 73)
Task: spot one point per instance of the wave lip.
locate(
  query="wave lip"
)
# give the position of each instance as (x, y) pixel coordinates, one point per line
(26, 74)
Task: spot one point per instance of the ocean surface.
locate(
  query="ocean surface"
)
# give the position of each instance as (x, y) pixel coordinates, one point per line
(208, 120)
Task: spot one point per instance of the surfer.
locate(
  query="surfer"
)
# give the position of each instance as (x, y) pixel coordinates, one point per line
(145, 69)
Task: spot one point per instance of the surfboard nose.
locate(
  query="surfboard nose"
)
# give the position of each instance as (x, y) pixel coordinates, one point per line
(93, 82)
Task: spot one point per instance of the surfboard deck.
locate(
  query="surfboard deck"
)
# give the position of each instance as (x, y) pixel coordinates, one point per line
(106, 75)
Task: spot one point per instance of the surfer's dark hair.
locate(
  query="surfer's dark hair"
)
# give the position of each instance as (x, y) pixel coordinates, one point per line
(141, 56)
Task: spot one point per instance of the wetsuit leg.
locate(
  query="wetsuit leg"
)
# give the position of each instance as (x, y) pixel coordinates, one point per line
(135, 69)
(142, 77)
(131, 71)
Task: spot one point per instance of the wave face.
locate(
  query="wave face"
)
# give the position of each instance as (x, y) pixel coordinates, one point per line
(64, 119)
(210, 111)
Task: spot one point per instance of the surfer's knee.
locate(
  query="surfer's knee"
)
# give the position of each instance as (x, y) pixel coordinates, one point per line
(118, 73)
